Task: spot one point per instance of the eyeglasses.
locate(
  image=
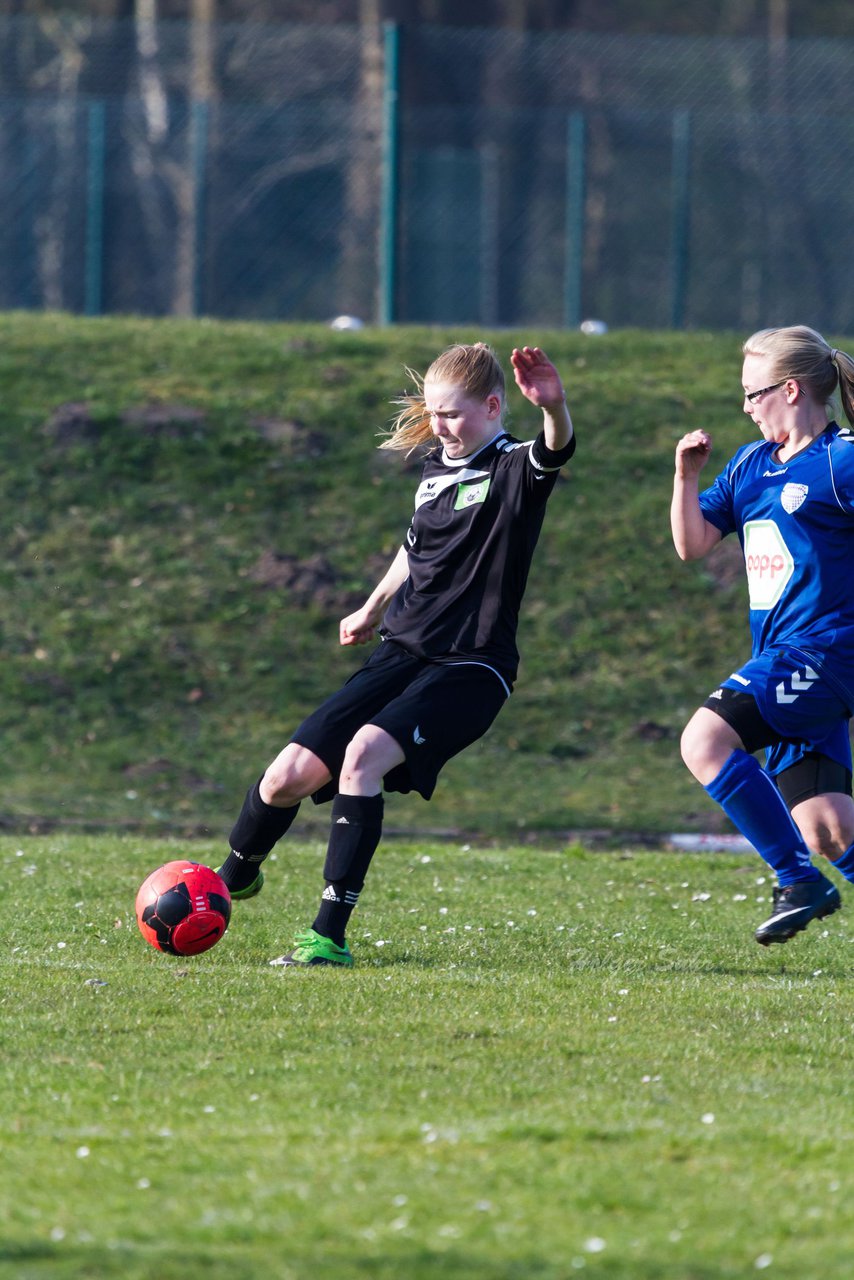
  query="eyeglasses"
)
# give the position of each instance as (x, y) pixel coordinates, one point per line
(751, 396)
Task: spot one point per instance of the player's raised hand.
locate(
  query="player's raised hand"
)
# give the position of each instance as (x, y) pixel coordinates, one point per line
(692, 453)
(536, 377)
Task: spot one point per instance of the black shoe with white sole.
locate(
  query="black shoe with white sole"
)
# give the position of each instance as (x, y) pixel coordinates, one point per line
(794, 906)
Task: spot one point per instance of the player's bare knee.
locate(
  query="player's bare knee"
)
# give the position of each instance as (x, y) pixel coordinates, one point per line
(826, 822)
(359, 766)
(292, 776)
(279, 786)
(830, 842)
(821, 839)
(693, 746)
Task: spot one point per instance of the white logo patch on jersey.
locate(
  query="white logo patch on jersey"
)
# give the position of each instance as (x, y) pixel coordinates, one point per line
(768, 561)
(469, 495)
(792, 496)
(430, 489)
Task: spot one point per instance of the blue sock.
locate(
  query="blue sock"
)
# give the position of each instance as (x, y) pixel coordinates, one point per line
(845, 864)
(752, 802)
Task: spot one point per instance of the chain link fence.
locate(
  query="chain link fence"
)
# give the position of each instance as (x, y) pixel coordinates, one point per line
(425, 175)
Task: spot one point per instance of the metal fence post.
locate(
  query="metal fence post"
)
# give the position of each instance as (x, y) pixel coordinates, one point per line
(198, 161)
(680, 217)
(574, 220)
(389, 194)
(490, 253)
(93, 263)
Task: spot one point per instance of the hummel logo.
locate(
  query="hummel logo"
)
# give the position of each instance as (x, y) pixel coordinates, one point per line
(342, 822)
(798, 685)
(417, 738)
(775, 473)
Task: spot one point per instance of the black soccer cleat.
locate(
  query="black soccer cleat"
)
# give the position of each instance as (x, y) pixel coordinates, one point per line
(794, 906)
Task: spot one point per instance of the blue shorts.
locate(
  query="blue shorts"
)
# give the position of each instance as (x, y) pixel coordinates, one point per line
(806, 712)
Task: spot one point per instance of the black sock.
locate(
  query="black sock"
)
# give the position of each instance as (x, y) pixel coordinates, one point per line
(252, 837)
(357, 823)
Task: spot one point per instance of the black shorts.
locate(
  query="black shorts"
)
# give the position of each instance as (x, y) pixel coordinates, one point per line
(812, 773)
(433, 710)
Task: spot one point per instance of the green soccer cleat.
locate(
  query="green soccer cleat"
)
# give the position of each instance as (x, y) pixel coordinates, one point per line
(249, 890)
(312, 948)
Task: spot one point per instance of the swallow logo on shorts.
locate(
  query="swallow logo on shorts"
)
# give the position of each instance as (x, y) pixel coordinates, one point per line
(792, 496)
(417, 738)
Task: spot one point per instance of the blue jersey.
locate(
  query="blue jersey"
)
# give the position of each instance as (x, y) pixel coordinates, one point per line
(795, 522)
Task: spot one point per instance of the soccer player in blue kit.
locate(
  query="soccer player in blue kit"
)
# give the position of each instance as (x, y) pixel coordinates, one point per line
(447, 611)
(790, 499)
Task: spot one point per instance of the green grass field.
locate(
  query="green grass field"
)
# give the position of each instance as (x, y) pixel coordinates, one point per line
(547, 1061)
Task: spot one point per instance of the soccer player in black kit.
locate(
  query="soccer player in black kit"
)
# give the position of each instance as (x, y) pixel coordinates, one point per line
(447, 611)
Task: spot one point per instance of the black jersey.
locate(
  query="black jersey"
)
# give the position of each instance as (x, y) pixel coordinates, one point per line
(470, 545)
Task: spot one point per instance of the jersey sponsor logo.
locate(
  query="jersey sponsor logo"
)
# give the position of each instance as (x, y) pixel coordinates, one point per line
(430, 489)
(792, 496)
(768, 561)
(470, 495)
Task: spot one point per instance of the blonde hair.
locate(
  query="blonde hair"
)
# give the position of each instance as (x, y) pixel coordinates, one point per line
(474, 369)
(801, 353)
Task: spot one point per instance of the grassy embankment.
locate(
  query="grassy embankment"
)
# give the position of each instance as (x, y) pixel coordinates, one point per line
(189, 508)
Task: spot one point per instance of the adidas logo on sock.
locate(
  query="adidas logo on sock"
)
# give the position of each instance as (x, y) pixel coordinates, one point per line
(339, 821)
(329, 894)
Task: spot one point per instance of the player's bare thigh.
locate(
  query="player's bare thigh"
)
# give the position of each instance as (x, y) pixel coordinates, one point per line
(708, 741)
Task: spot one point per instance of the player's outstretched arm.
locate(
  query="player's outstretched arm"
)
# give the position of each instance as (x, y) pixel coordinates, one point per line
(693, 535)
(360, 627)
(539, 381)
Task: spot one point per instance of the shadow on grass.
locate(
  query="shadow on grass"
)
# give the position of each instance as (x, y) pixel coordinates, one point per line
(50, 1261)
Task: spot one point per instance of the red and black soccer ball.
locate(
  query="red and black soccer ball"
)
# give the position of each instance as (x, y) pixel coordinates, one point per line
(183, 908)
